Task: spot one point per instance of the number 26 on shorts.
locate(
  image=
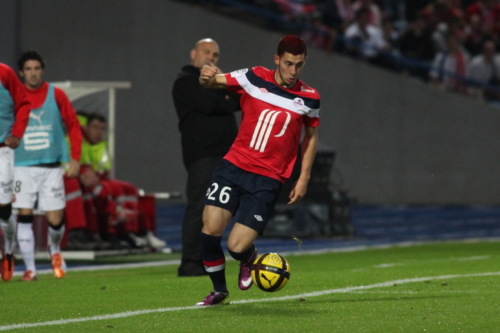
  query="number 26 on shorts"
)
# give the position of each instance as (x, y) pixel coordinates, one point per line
(224, 195)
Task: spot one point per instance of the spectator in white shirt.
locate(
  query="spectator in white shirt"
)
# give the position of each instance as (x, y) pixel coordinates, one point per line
(363, 39)
(451, 66)
(485, 68)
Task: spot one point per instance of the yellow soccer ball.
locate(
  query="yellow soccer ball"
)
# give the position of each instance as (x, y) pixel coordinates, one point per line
(270, 272)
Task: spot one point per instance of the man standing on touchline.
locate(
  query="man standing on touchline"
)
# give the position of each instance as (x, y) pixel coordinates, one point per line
(208, 128)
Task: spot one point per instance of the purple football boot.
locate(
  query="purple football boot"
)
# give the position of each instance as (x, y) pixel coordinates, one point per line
(245, 276)
(215, 298)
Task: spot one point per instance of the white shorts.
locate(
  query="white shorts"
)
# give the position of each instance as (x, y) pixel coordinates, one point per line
(6, 174)
(45, 183)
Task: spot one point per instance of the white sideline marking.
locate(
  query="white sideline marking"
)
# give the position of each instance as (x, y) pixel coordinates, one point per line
(474, 258)
(387, 265)
(282, 298)
(408, 292)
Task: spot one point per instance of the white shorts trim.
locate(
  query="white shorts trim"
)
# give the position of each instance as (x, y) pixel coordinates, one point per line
(44, 184)
(6, 175)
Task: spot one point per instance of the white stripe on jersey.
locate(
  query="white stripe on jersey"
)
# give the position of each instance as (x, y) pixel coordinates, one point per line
(274, 99)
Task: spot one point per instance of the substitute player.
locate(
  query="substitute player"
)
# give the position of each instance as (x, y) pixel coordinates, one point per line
(37, 167)
(276, 105)
(14, 115)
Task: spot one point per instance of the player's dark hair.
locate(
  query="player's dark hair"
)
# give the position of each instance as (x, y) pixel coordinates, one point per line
(96, 116)
(29, 55)
(292, 44)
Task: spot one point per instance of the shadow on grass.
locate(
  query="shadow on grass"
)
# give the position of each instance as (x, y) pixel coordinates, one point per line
(285, 310)
(300, 308)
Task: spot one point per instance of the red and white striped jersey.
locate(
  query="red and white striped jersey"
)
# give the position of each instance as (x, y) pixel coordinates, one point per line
(272, 120)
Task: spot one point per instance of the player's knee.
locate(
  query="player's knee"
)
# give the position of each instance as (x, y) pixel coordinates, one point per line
(237, 245)
(5, 211)
(212, 226)
(212, 230)
(55, 217)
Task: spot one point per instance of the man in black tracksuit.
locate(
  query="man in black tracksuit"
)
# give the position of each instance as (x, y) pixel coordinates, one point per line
(208, 128)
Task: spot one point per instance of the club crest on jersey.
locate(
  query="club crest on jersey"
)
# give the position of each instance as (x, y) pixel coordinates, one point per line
(239, 72)
(264, 90)
(298, 102)
(264, 127)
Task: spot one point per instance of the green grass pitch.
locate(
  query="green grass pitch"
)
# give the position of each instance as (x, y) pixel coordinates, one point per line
(425, 288)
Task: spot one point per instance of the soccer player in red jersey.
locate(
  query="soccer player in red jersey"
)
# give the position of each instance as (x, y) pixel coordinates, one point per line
(38, 170)
(276, 106)
(14, 115)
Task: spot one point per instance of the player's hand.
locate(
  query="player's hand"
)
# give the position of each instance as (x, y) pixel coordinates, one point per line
(207, 75)
(298, 191)
(73, 168)
(12, 142)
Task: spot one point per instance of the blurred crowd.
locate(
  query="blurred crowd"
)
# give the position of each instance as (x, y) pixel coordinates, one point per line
(452, 43)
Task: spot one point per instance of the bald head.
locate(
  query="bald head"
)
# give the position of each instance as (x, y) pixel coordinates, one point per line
(205, 52)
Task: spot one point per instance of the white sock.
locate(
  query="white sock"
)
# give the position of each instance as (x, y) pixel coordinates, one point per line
(26, 241)
(55, 237)
(9, 232)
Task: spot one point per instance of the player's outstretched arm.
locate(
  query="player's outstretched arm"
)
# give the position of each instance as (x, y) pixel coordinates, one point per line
(210, 79)
(309, 145)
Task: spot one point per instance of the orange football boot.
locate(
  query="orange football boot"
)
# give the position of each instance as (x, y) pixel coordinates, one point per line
(29, 276)
(58, 265)
(7, 266)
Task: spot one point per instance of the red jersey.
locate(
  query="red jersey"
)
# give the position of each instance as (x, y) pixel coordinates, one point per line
(37, 98)
(272, 120)
(22, 107)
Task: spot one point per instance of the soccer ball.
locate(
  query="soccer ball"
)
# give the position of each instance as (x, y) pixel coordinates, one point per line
(270, 272)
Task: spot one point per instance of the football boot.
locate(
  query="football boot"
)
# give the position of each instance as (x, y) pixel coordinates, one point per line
(29, 276)
(215, 298)
(58, 265)
(7, 268)
(245, 276)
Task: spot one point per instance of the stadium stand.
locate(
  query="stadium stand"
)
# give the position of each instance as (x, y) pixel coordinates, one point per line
(409, 37)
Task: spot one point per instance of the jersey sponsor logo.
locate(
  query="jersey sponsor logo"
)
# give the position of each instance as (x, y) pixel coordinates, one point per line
(298, 102)
(239, 72)
(37, 117)
(36, 140)
(304, 88)
(264, 127)
(264, 90)
(39, 128)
